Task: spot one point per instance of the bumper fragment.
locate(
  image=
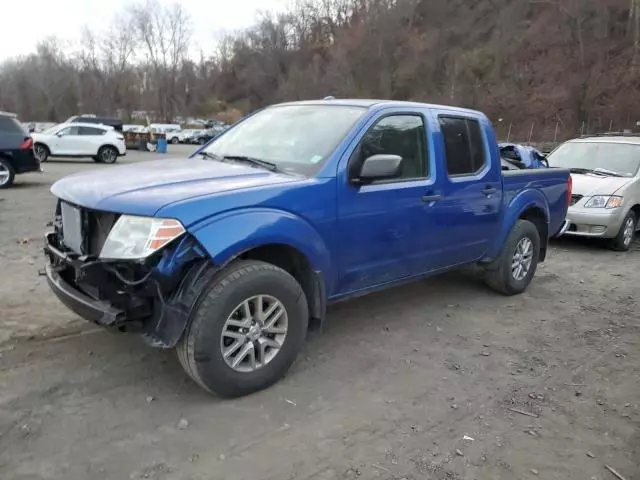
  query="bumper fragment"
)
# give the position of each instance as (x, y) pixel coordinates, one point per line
(98, 312)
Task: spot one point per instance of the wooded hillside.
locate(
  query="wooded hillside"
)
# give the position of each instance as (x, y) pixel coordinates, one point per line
(540, 62)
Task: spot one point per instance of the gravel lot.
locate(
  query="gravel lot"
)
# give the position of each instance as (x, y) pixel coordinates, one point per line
(426, 381)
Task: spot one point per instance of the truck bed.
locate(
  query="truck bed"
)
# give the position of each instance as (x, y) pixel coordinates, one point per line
(551, 182)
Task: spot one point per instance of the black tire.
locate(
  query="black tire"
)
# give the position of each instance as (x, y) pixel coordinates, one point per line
(7, 173)
(107, 154)
(175, 140)
(500, 275)
(201, 141)
(199, 351)
(621, 242)
(42, 152)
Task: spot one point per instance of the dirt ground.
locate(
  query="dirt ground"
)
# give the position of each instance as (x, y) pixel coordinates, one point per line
(441, 379)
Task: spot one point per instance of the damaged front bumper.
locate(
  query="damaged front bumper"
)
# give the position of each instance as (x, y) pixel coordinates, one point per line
(152, 298)
(96, 311)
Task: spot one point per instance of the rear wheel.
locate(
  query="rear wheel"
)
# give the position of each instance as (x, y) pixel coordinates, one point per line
(41, 152)
(107, 154)
(246, 330)
(512, 272)
(7, 173)
(622, 241)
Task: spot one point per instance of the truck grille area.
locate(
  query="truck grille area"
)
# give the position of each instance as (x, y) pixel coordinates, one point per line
(83, 230)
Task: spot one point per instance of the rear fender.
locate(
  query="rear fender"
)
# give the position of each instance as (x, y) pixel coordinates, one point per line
(517, 206)
(227, 236)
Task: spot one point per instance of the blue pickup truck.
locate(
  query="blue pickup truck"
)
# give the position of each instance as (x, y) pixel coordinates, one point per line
(229, 254)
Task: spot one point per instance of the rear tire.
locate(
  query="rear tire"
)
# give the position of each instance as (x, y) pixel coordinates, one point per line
(206, 349)
(7, 174)
(624, 239)
(511, 273)
(107, 154)
(41, 152)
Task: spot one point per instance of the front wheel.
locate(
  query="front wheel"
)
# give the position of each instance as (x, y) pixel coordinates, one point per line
(175, 140)
(512, 272)
(107, 154)
(623, 239)
(246, 329)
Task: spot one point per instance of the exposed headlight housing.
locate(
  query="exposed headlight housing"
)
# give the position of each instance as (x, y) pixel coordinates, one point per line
(604, 201)
(135, 238)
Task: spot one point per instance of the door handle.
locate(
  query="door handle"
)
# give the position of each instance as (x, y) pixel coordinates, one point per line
(431, 198)
(488, 190)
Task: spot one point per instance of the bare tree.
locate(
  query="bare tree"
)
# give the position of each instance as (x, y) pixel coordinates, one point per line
(165, 34)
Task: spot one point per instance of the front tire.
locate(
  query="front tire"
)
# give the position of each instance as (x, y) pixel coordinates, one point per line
(175, 140)
(107, 154)
(623, 240)
(234, 345)
(512, 272)
(7, 174)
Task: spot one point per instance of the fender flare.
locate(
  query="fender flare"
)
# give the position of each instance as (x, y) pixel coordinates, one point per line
(519, 204)
(226, 236)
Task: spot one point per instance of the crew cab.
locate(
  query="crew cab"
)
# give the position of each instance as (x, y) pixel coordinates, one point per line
(229, 254)
(100, 142)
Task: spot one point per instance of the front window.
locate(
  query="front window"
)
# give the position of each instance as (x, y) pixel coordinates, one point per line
(621, 159)
(296, 138)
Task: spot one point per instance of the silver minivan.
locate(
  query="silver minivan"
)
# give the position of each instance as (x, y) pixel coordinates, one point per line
(605, 201)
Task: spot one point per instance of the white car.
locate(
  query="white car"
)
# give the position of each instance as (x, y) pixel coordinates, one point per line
(185, 136)
(100, 142)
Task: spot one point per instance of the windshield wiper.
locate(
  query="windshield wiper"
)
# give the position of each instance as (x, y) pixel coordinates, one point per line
(211, 156)
(604, 171)
(580, 170)
(258, 162)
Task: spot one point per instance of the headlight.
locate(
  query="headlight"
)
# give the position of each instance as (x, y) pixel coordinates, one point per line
(134, 238)
(604, 201)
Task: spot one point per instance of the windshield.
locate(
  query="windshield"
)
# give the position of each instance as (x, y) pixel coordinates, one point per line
(296, 138)
(620, 158)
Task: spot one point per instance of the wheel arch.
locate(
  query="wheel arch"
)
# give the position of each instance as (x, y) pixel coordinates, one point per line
(537, 216)
(636, 210)
(530, 204)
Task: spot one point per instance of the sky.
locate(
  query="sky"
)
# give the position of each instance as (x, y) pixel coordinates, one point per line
(66, 18)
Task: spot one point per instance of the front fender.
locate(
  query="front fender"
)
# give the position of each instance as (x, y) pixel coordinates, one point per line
(228, 235)
(513, 210)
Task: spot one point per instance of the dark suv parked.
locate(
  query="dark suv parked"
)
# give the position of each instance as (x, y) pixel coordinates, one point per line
(16, 150)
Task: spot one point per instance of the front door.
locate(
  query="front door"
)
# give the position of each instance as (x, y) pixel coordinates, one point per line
(67, 142)
(385, 227)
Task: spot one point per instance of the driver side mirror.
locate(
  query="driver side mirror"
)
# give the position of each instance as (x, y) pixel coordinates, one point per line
(60, 134)
(379, 167)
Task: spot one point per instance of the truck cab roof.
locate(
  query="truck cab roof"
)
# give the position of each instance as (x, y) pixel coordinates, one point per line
(378, 104)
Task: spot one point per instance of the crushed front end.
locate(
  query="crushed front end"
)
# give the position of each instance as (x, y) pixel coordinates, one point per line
(103, 268)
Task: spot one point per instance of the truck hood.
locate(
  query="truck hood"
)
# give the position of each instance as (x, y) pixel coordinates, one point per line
(588, 185)
(146, 187)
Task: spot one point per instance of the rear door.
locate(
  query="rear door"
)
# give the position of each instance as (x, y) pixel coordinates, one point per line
(91, 139)
(469, 213)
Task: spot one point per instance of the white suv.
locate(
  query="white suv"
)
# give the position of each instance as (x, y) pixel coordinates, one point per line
(100, 142)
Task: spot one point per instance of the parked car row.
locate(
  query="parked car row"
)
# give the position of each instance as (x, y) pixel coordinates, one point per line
(175, 134)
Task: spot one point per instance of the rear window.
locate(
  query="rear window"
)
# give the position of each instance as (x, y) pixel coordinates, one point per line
(91, 131)
(463, 144)
(11, 125)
